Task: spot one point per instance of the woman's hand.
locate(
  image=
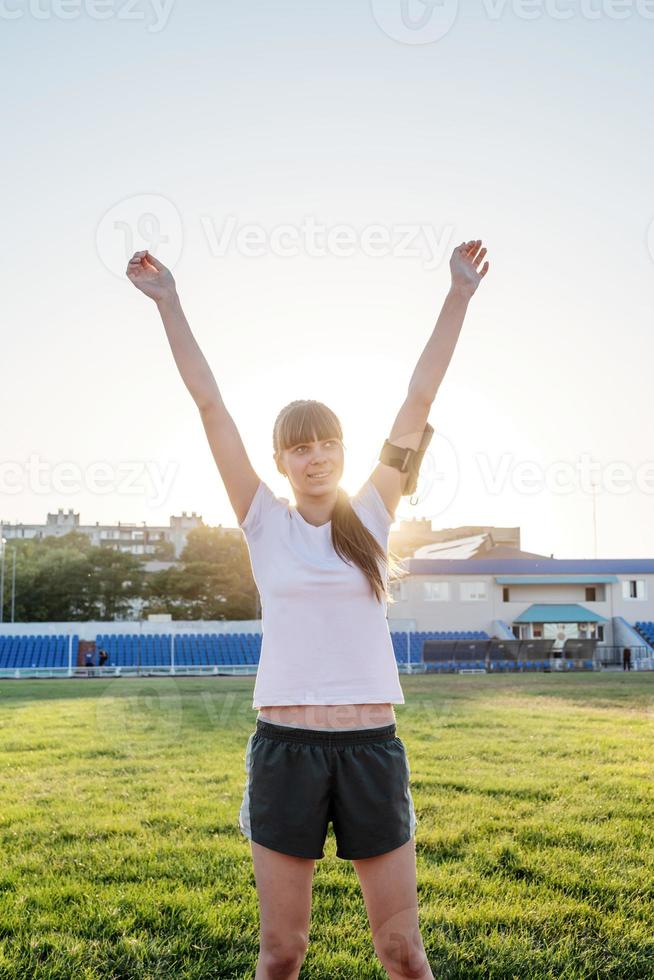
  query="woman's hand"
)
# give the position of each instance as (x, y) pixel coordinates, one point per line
(464, 265)
(150, 276)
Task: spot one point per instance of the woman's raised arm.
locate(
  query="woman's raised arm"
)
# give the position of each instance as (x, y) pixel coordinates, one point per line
(156, 281)
(408, 428)
(240, 479)
(435, 358)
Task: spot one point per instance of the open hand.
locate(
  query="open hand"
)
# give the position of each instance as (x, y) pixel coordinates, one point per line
(464, 266)
(150, 276)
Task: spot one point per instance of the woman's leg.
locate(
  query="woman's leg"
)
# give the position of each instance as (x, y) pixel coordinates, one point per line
(284, 892)
(389, 887)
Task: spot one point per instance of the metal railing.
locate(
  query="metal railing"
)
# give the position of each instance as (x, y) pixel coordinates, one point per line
(491, 656)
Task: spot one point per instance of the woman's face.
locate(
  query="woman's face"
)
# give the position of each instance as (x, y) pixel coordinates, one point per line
(324, 456)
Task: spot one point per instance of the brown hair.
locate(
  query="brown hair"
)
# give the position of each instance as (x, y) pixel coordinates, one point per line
(302, 421)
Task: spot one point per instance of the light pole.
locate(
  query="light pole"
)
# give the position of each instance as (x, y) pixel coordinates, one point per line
(13, 582)
(138, 646)
(3, 542)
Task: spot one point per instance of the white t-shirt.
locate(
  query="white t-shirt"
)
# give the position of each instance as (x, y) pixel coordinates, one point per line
(325, 636)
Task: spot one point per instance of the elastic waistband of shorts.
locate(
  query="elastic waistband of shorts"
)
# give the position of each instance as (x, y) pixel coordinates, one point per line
(355, 737)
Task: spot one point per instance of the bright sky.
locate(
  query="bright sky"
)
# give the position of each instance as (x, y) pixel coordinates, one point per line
(201, 129)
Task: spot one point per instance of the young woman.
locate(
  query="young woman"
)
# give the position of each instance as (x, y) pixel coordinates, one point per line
(325, 747)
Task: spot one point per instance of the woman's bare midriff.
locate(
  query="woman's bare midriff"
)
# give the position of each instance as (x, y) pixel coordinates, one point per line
(329, 716)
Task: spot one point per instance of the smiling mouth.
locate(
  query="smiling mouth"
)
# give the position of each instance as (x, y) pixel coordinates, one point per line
(318, 476)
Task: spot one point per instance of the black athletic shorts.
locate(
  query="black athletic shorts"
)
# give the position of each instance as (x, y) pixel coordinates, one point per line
(300, 779)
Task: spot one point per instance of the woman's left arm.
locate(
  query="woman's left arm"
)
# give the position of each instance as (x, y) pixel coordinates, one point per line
(409, 426)
(435, 358)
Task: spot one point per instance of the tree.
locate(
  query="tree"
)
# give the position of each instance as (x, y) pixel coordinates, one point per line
(68, 578)
(163, 551)
(213, 580)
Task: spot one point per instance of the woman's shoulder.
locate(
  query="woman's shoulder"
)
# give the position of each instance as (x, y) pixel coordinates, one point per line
(265, 504)
(371, 509)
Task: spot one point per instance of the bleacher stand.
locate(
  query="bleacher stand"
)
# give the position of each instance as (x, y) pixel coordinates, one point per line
(646, 630)
(32, 652)
(420, 651)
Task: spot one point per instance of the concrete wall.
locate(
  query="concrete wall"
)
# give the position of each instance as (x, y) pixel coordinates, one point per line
(89, 630)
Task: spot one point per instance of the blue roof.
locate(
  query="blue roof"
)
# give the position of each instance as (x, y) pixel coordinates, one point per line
(518, 566)
(553, 579)
(558, 612)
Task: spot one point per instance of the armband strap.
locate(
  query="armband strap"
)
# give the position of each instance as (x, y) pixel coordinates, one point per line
(407, 460)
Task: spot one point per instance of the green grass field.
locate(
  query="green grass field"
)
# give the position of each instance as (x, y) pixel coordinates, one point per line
(122, 857)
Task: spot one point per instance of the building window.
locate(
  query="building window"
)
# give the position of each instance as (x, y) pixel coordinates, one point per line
(600, 632)
(505, 594)
(590, 593)
(471, 591)
(436, 591)
(633, 588)
(398, 591)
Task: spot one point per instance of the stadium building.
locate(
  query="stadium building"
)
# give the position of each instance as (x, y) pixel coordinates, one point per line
(606, 602)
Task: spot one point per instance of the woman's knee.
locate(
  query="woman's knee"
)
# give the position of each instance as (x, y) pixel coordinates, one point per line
(405, 956)
(282, 954)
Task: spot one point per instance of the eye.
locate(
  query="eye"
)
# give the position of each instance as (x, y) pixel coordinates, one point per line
(328, 442)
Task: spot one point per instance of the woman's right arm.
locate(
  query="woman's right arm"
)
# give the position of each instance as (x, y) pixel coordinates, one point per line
(240, 479)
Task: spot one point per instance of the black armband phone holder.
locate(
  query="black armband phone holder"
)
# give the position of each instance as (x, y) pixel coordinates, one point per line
(407, 460)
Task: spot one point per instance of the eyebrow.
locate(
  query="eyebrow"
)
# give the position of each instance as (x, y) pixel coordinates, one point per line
(328, 439)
